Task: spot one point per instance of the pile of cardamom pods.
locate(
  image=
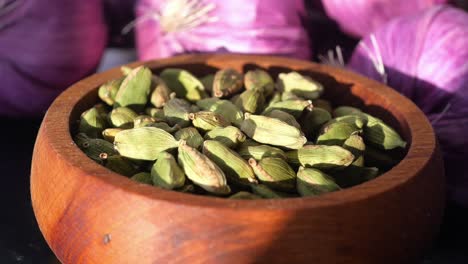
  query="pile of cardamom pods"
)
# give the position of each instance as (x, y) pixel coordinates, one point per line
(228, 134)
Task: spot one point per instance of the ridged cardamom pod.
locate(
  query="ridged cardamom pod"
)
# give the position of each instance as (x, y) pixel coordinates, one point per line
(336, 133)
(201, 170)
(230, 136)
(292, 107)
(357, 120)
(313, 120)
(285, 117)
(134, 90)
(121, 165)
(144, 143)
(109, 133)
(275, 173)
(164, 126)
(244, 196)
(235, 168)
(166, 173)
(355, 144)
(301, 85)
(92, 123)
(259, 79)
(184, 84)
(227, 82)
(275, 97)
(286, 96)
(176, 111)
(378, 158)
(346, 110)
(207, 82)
(206, 120)
(224, 108)
(161, 92)
(122, 117)
(312, 182)
(259, 152)
(143, 120)
(272, 131)
(156, 113)
(191, 136)
(321, 156)
(96, 149)
(264, 191)
(354, 175)
(143, 177)
(381, 135)
(108, 91)
(251, 101)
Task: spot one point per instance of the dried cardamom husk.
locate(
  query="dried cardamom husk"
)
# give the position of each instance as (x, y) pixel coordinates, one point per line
(161, 92)
(108, 91)
(313, 120)
(227, 82)
(206, 120)
(301, 85)
(142, 177)
(92, 123)
(321, 157)
(292, 107)
(224, 108)
(202, 171)
(244, 196)
(134, 90)
(109, 133)
(285, 117)
(251, 101)
(336, 133)
(144, 143)
(122, 117)
(236, 169)
(143, 120)
(166, 173)
(264, 191)
(230, 136)
(259, 152)
(96, 149)
(272, 131)
(121, 165)
(176, 111)
(191, 136)
(312, 182)
(184, 84)
(275, 173)
(259, 79)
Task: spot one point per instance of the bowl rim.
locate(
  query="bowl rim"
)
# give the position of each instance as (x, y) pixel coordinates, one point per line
(56, 124)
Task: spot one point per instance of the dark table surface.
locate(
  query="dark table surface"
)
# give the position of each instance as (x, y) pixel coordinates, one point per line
(22, 242)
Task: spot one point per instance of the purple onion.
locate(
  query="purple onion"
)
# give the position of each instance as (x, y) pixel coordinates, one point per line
(425, 57)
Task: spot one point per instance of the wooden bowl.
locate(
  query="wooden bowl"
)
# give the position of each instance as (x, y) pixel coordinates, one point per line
(89, 214)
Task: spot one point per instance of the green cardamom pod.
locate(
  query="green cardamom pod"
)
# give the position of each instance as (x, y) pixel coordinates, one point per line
(202, 171)
(184, 84)
(143, 120)
(355, 144)
(224, 108)
(275, 173)
(272, 131)
(164, 126)
(156, 113)
(161, 92)
(143, 177)
(244, 196)
(285, 117)
(121, 165)
(259, 152)
(259, 79)
(354, 119)
(251, 101)
(275, 98)
(122, 117)
(264, 191)
(336, 133)
(166, 173)
(324, 104)
(381, 135)
(191, 136)
(313, 120)
(109, 133)
(292, 107)
(96, 149)
(176, 111)
(230, 136)
(108, 91)
(125, 70)
(92, 123)
(302, 86)
(346, 110)
(235, 168)
(321, 156)
(354, 175)
(227, 82)
(144, 143)
(206, 120)
(135, 89)
(378, 158)
(312, 182)
(287, 96)
(207, 82)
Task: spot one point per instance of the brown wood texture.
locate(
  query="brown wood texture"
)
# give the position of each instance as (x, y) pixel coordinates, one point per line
(89, 214)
